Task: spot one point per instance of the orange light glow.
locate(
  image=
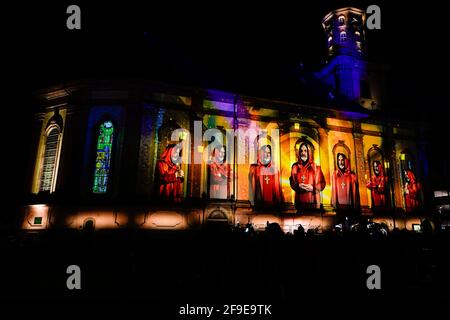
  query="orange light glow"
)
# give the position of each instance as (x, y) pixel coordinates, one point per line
(101, 219)
(36, 217)
(161, 220)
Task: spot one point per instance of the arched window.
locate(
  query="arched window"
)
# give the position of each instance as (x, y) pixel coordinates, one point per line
(103, 158)
(411, 186)
(340, 148)
(330, 39)
(344, 182)
(357, 36)
(341, 20)
(48, 174)
(343, 36)
(378, 178)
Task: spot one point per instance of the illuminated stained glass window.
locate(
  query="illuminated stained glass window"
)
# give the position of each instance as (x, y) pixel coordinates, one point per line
(103, 158)
(50, 159)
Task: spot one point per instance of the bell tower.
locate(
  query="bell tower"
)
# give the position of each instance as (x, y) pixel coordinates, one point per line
(345, 32)
(346, 72)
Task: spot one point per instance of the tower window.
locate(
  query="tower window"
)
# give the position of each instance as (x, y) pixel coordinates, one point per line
(357, 36)
(103, 158)
(330, 38)
(356, 20)
(50, 160)
(341, 20)
(343, 36)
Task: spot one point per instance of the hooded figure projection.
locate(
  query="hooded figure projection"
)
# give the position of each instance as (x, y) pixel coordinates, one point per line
(344, 184)
(219, 174)
(378, 185)
(170, 177)
(264, 179)
(306, 179)
(411, 190)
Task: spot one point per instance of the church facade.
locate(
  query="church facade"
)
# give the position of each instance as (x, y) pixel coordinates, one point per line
(139, 154)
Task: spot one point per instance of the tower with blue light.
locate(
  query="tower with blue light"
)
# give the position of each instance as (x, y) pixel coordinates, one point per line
(347, 72)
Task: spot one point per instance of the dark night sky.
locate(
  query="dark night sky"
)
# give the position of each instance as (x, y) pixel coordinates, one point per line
(243, 48)
(249, 49)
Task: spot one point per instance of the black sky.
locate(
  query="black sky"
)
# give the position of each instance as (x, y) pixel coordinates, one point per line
(227, 46)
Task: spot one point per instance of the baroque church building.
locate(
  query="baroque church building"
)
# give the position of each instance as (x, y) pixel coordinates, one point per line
(139, 154)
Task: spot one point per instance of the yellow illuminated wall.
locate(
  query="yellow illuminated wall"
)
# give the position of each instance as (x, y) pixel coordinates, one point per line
(371, 127)
(339, 123)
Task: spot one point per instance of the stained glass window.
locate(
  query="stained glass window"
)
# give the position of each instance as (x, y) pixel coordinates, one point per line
(103, 159)
(50, 157)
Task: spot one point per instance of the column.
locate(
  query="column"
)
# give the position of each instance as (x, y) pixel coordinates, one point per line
(147, 151)
(324, 154)
(195, 173)
(360, 166)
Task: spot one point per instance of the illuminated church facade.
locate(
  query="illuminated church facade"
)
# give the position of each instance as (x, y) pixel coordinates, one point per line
(137, 154)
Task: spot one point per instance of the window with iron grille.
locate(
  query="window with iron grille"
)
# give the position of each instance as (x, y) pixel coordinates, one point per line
(48, 174)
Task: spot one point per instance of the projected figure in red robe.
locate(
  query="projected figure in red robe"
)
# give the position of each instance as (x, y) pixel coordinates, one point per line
(306, 179)
(264, 180)
(378, 185)
(411, 190)
(343, 184)
(219, 174)
(170, 176)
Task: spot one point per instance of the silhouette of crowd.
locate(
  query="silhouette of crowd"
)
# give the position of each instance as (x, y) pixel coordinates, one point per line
(239, 261)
